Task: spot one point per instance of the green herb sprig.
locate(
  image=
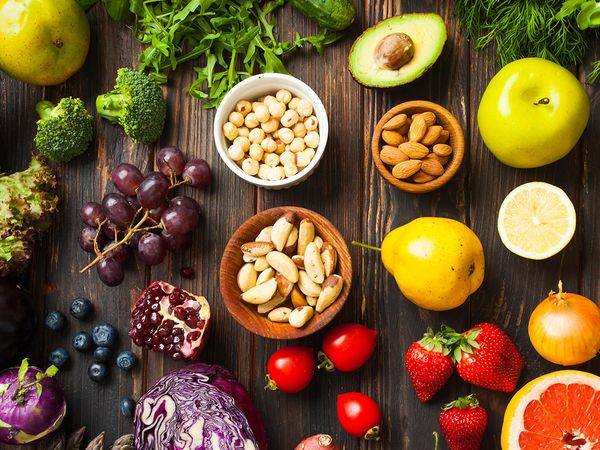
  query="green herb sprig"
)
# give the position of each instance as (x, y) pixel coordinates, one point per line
(228, 40)
(21, 388)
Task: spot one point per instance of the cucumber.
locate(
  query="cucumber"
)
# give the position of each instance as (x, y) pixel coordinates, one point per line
(332, 14)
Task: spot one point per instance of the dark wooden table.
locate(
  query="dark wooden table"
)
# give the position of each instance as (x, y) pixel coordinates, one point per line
(347, 189)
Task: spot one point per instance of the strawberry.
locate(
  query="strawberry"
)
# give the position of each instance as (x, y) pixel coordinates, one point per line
(463, 423)
(429, 365)
(485, 356)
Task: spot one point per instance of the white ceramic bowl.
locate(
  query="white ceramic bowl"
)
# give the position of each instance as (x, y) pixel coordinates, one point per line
(257, 86)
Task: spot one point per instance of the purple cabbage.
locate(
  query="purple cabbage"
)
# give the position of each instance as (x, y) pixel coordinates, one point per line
(198, 407)
(33, 415)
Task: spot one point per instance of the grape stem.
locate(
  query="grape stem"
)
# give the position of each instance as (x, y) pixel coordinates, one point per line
(179, 183)
(130, 232)
(99, 229)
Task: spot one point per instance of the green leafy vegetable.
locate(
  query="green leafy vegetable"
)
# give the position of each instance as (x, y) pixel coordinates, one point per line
(21, 389)
(228, 40)
(117, 9)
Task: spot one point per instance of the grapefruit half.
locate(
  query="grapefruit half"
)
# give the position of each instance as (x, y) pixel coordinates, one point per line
(557, 411)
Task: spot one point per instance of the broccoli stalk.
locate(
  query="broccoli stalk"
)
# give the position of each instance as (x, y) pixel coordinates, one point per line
(137, 104)
(64, 131)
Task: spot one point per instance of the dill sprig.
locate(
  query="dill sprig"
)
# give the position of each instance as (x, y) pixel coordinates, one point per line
(522, 28)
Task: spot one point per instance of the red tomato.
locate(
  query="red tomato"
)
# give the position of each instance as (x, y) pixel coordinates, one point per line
(291, 369)
(359, 415)
(347, 347)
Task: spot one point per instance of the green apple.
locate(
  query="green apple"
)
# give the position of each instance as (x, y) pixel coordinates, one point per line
(532, 113)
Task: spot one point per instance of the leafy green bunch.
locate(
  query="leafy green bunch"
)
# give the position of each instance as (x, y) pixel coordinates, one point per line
(522, 28)
(228, 40)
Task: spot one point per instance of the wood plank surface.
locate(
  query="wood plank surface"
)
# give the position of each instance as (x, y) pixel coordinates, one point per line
(347, 189)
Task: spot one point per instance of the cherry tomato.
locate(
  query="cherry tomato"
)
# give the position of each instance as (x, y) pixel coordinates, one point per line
(347, 347)
(359, 415)
(290, 369)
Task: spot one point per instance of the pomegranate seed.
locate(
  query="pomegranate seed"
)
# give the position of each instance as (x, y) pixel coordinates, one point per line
(177, 356)
(187, 272)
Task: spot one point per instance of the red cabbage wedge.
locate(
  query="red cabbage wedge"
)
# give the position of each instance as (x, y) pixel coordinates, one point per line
(198, 407)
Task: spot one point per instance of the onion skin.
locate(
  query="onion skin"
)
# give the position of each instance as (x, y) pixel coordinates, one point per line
(565, 328)
(38, 416)
(318, 442)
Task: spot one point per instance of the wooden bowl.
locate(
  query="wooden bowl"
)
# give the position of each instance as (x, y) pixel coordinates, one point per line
(231, 263)
(446, 120)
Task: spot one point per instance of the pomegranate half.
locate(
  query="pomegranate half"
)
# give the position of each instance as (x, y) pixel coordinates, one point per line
(170, 320)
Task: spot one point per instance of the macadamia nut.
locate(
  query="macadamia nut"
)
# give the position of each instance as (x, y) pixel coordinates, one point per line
(235, 152)
(277, 109)
(271, 159)
(262, 113)
(263, 172)
(312, 139)
(304, 108)
(297, 145)
(243, 142)
(290, 118)
(290, 169)
(270, 126)
(243, 107)
(311, 123)
(250, 166)
(283, 96)
(236, 118)
(293, 104)
(243, 131)
(251, 121)
(230, 131)
(299, 130)
(256, 135)
(268, 145)
(276, 173)
(286, 135)
(256, 152)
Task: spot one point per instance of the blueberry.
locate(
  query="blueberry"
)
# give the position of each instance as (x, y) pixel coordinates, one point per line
(82, 341)
(127, 407)
(55, 320)
(126, 360)
(81, 308)
(97, 371)
(59, 357)
(104, 335)
(102, 354)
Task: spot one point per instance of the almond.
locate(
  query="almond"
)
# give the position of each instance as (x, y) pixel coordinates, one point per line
(396, 122)
(261, 293)
(417, 129)
(429, 118)
(283, 263)
(414, 150)
(277, 300)
(246, 277)
(300, 316)
(331, 291)
(444, 136)
(432, 167)
(281, 230)
(298, 298)
(299, 261)
(444, 159)
(432, 135)
(306, 234)
(280, 315)
(329, 257)
(392, 155)
(313, 264)
(404, 128)
(257, 249)
(392, 137)
(422, 177)
(406, 169)
(442, 150)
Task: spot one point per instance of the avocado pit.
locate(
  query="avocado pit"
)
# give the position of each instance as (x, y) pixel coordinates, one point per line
(394, 51)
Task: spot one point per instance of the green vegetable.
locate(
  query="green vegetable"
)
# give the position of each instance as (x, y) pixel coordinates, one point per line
(64, 131)
(117, 9)
(228, 40)
(332, 14)
(137, 104)
(27, 201)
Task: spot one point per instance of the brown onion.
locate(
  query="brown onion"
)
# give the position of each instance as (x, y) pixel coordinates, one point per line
(317, 442)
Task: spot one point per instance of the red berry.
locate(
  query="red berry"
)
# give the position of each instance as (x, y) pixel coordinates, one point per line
(463, 423)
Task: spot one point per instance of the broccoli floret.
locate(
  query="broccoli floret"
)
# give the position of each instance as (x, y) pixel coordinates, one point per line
(137, 104)
(64, 131)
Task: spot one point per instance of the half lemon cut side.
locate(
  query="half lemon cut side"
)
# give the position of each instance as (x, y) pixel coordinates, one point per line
(536, 220)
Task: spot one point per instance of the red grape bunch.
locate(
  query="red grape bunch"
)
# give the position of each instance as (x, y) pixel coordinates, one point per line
(142, 218)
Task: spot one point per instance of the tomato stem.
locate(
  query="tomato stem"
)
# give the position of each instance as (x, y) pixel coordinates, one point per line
(372, 434)
(370, 247)
(271, 385)
(325, 362)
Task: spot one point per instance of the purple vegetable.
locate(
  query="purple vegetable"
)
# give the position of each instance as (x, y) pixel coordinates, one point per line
(198, 407)
(31, 405)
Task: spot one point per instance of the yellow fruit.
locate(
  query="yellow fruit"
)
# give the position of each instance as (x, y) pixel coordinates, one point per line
(536, 220)
(437, 262)
(42, 42)
(559, 410)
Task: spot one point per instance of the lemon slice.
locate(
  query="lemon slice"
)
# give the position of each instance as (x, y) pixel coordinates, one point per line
(536, 220)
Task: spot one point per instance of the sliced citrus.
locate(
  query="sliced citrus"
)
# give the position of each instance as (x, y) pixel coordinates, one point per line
(536, 220)
(557, 411)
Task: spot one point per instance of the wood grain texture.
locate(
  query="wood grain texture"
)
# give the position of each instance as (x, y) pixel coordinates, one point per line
(231, 262)
(348, 191)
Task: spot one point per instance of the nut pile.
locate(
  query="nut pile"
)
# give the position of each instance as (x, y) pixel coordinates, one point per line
(274, 137)
(289, 262)
(416, 147)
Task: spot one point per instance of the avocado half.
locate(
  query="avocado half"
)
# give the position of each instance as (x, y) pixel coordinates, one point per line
(397, 50)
